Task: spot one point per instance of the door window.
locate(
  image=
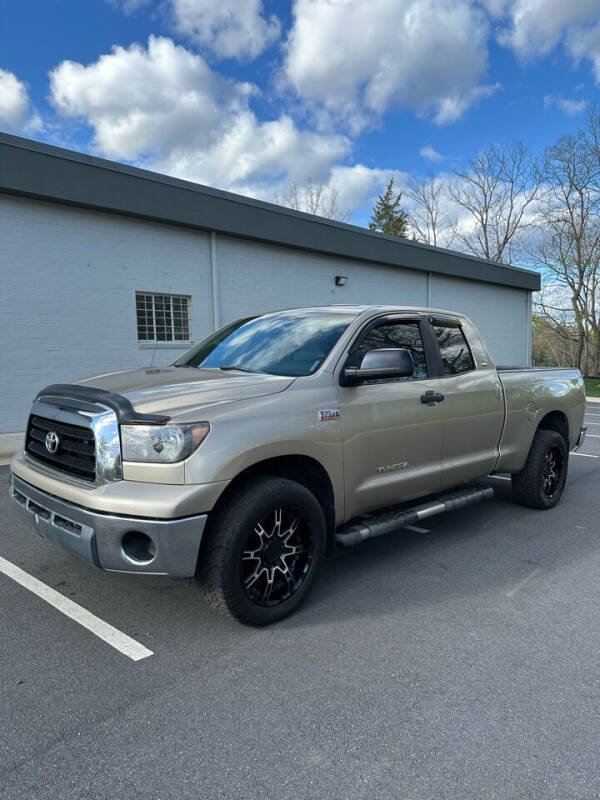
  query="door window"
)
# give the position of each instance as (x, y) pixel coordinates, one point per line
(454, 350)
(397, 334)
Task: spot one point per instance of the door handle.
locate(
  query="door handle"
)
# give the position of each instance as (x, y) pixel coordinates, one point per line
(430, 397)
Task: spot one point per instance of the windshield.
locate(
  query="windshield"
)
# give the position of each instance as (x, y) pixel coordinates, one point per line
(291, 343)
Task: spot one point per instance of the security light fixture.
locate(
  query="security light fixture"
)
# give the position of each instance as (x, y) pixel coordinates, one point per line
(340, 280)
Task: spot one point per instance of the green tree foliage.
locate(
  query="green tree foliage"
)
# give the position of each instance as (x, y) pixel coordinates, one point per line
(388, 215)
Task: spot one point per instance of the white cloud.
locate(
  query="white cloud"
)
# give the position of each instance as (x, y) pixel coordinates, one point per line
(144, 100)
(163, 107)
(14, 99)
(534, 27)
(16, 111)
(358, 184)
(585, 43)
(454, 106)
(431, 154)
(357, 59)
(566, 105)
(129, 6)
(229, 28)
(256, 158)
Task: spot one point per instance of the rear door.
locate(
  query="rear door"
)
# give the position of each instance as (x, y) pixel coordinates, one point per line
(392, 440)
(474, 405)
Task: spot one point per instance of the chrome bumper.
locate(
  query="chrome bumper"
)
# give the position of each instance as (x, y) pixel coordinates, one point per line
(581, 439)
(98, 538)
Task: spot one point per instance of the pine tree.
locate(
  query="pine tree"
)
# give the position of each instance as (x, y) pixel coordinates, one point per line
(388, 215)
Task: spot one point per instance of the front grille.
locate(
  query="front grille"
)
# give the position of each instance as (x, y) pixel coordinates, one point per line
(76, 451)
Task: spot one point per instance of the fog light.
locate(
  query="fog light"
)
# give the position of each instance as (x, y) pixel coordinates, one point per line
(138, 547)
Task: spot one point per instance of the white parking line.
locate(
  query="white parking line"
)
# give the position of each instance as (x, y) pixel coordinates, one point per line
(416, 529)
(115, 638)
(523, 583)
(585, 455)
(501, 477)
(593, 435)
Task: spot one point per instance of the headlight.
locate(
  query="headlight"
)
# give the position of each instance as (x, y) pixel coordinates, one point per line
(161, 444)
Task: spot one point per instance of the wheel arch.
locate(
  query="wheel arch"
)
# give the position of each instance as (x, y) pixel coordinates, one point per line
(303, 469)
(556, 421)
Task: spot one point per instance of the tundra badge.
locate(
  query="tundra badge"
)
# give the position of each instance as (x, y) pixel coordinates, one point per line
(392, 467)
(329, 413)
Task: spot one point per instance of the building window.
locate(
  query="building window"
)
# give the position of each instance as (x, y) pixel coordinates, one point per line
(162, 317)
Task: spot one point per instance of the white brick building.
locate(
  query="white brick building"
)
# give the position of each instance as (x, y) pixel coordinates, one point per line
(81, 238)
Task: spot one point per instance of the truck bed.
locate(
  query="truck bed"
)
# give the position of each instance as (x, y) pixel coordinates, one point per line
(529, 394)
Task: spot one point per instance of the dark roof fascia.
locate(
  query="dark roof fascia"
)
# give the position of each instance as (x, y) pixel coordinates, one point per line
(45, 172)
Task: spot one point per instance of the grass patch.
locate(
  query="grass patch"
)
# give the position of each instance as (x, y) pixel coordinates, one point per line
(592, 387)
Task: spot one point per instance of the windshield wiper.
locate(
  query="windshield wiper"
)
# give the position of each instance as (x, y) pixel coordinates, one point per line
(230, 367)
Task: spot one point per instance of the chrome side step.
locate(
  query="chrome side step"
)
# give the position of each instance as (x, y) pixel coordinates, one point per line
(390, 521)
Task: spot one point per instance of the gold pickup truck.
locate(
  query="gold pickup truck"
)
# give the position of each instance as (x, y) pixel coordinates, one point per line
(283, 436)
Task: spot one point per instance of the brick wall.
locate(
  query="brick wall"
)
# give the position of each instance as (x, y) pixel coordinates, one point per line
(67, 294)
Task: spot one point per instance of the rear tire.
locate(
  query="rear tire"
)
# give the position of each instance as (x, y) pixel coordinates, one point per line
(263, 550)
(541, 482)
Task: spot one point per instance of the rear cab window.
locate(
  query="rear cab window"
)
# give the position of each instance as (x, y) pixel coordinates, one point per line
(454, 349)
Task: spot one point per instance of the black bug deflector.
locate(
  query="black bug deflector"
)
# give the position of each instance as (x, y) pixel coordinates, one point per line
(125, 412)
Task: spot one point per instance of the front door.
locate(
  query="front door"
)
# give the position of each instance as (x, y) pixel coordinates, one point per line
(392, 440)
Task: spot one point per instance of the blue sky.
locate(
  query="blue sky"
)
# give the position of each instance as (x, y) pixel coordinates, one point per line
(250, 96)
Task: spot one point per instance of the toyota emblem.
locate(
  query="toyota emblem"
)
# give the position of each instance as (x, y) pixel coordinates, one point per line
(52, 442)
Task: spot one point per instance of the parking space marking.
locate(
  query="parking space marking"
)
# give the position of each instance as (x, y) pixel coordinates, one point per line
(112, 636)
(522, 584)
(416, 529)
(593, 435)
(501, 477)
(585, 455)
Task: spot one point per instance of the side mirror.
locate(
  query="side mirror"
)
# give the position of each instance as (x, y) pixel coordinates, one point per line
(386, 362)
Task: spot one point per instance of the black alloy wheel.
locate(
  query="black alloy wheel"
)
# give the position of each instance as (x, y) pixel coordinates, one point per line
(552, 468)
(277, 557)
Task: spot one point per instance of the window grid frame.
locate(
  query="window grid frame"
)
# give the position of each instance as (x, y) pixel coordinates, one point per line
(160, 313)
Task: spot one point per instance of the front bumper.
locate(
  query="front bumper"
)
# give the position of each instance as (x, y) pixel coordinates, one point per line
(98, 537)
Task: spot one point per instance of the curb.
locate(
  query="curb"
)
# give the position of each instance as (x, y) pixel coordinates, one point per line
(592, 400)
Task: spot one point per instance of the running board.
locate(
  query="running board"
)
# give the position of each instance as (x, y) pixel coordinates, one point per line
(390, 521)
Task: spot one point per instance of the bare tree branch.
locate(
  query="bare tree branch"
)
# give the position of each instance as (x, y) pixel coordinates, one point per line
(495, 191)
(314, 198)
(428, 219)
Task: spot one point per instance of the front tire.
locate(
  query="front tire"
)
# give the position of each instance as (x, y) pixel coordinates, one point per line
(263, 550)
(541, 482)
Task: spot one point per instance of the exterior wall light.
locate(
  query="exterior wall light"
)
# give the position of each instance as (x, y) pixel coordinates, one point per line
(340, 280)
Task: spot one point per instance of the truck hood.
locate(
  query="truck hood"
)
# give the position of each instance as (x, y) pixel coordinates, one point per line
(175, 391)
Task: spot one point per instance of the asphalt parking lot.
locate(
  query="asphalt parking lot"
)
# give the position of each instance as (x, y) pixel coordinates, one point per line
(459, 661)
